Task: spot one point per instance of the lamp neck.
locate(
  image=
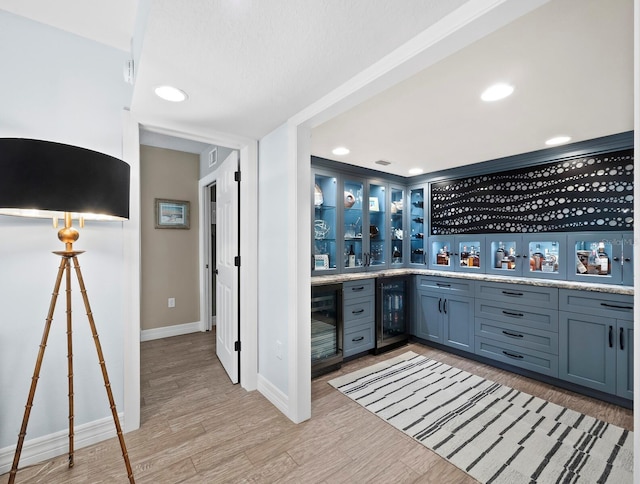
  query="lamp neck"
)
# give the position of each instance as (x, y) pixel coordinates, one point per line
(68, 235)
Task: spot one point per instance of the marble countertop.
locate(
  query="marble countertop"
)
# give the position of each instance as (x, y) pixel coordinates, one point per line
(605, 288)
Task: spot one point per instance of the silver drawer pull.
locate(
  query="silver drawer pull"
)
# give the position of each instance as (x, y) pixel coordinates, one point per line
(515, 315)
(511, 355)
(360, 338)
(615, 306)
(357, 311)
(516, 294)
(515, 335)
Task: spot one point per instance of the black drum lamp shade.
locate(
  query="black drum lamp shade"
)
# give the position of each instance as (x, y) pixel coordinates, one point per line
(46, 179)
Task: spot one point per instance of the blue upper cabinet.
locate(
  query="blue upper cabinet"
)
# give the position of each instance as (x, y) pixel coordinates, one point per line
(600, 257)
(461, 253)
(355, 225)
(417, 224)
(325, 224)
(379, 228)
(544, 255)
(396, 226)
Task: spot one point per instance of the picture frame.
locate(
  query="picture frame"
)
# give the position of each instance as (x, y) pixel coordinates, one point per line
(373, 204)
(172, 214)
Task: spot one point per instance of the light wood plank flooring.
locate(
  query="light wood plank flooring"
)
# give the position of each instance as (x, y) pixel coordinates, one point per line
(199, 428)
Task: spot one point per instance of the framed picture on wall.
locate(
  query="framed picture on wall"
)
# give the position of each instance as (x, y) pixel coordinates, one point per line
(172, 214)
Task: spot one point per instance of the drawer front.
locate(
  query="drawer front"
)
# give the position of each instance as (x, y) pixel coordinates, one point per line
(358, 311)
(445, 284)
(546, 297)
(618, 306)
(532, 338)
(358, 339)
(354, 289)
(517, 314)
(537, 361)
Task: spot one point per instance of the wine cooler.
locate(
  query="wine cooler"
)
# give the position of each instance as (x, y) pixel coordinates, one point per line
(392, 312)
(326, 328)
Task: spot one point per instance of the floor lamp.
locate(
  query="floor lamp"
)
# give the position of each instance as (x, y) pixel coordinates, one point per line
(53, 180)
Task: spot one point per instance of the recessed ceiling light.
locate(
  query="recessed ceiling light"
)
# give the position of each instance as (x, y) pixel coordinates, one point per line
(558, 140)
(170, 93)
(415, 171)
(497, 92)
(340, 151)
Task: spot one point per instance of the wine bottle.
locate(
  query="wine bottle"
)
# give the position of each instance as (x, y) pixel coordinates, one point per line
(604, 260)
(352, 257)
(499, 256)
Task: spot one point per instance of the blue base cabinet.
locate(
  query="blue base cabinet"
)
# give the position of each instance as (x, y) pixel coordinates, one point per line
(596, 341)
(444, 312)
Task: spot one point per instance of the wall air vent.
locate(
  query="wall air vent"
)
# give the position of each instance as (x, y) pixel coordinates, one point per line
(383, 162)
(213, 157)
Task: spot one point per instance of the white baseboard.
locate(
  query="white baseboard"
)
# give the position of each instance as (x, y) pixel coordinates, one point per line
(52, 445)
(274, 395)
(168, 331)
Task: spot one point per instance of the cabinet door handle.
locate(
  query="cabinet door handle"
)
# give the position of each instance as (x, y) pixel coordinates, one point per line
(627, 259)
(514, 335)
(359, 288)
(445, 306)
(442, 284)
(515, 315)
(357, 311)
(610, 336)
(616, 259)
(616, 306)
(511, 355)
(439, 305)
(621, 338)
(359, 338)
(515, 294)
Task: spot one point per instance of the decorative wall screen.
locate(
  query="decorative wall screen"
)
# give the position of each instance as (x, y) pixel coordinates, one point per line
(581, 194)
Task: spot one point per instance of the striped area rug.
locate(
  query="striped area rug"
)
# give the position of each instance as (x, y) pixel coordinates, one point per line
(492, 432)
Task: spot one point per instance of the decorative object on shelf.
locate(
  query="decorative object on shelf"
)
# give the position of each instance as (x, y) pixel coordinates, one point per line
(374, 205)
(171, 214)
(396, 207)
(321, 262)
(398, 234)
(349, 199)
(321, 229)
(53, 180)
(318, 198)
(373, 231)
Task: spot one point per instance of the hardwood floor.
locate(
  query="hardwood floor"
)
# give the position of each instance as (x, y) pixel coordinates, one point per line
(199, 428)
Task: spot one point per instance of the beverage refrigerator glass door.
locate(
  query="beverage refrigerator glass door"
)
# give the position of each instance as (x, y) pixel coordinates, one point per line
(392, 311)
(326, 328)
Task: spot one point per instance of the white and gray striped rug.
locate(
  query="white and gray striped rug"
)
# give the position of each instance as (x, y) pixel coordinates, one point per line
(492, 432)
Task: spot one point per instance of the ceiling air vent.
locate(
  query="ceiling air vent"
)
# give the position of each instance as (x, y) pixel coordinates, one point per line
(213, 157)
(383, 162)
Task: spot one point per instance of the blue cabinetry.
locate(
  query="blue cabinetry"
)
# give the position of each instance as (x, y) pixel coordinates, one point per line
(417, 224)
(601, 257)
(359, 317)
(444, 312)
(596, 339)
(462, 253)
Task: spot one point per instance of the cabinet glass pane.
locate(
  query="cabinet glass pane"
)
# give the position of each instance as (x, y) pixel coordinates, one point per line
(324, 224)
(378, 239)
(353, 193)
(397, 233)
(417, 226)
(469, 251)
(544, 256)
(504, 255)
(324, 325)
(441, 255)
(593, 258)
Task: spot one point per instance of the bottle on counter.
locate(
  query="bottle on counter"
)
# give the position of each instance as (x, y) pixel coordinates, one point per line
(500, 255)
(605, 266)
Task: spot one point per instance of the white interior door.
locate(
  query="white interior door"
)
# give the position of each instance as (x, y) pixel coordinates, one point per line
(227, 332)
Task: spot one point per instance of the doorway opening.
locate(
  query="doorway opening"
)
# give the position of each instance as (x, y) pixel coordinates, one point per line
(212, 257)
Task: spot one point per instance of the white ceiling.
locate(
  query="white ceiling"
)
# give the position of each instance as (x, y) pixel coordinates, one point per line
(248, 66)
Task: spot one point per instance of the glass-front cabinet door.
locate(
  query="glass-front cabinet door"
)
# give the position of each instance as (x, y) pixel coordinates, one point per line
(504, 255)
(544, 255)
(354, 248)
(325, 224)
(396, 215)
(469, 253)
(596, 257)
(417, 227)
(441, 254)
(379, 253)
